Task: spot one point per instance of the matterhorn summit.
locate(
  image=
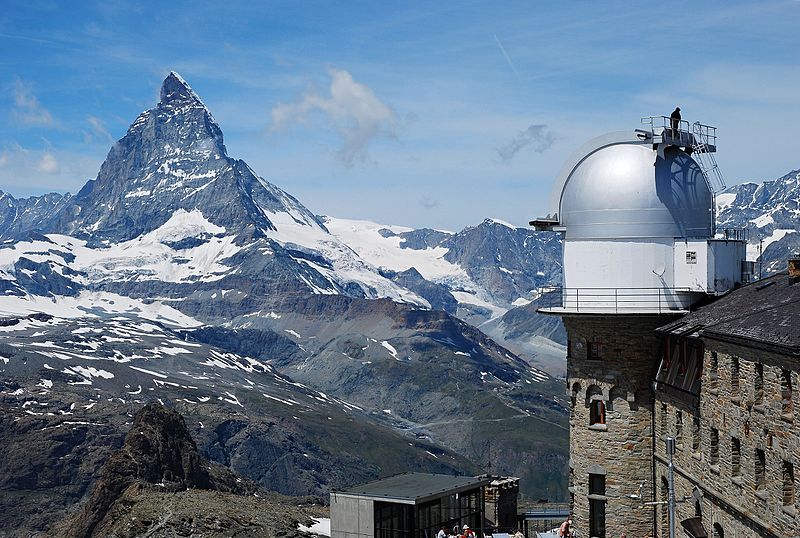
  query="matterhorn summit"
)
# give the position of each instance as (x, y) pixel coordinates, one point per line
(173, 157)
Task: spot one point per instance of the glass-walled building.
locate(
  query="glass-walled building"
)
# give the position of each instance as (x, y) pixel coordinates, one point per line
(409, 505)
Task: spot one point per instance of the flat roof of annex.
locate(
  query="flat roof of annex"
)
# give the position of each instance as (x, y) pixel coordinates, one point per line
(414, 488)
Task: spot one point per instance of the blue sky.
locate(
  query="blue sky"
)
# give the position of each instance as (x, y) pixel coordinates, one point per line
(434, 114)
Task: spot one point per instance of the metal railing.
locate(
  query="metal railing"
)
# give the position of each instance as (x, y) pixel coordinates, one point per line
(705, 133)
(687, 133)
(662, 126)
(736, 234)
(614, 300)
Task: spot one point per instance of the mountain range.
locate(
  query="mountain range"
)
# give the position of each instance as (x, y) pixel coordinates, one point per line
(770, 212)
(302, 358)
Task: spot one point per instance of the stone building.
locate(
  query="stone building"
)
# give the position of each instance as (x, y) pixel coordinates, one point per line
(500, 503)
(725, 391)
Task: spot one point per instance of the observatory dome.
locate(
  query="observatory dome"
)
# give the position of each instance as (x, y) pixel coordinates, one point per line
(628, 190)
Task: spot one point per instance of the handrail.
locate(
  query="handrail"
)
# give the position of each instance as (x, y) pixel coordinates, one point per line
(615, 300)
(661, 124)
(736, 234)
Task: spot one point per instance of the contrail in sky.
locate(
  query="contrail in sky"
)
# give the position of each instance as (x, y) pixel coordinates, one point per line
(508, 58)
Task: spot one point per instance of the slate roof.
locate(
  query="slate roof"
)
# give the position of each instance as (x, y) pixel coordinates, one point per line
(765, 313)
(416, 487)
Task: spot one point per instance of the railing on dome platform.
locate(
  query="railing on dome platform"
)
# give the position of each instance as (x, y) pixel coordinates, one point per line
(736, 234)
(556, 299)
(700, 137)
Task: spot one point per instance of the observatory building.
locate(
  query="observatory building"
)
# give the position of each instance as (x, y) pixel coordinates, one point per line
(640, 249)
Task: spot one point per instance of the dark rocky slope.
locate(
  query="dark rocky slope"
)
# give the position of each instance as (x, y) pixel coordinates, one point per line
(157, 484)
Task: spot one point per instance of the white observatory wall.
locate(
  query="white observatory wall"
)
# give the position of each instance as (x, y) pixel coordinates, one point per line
(619, 263)
(725, 267)
(717, 266)
(691, 265)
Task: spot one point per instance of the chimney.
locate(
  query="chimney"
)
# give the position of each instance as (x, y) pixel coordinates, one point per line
(794, 270)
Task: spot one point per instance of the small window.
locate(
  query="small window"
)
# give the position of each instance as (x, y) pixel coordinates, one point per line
(758, 385)
(597, 412)
(786, 391)
(597, 506)
(788, 483)
(760, 468)
(595, 350)
(597, 484)
(713, 372)
(696, 434)
(736, 457)
(663, 419)
(718, 532)
(678, 427)
(713, 453)
(735, 375)
(691, 257)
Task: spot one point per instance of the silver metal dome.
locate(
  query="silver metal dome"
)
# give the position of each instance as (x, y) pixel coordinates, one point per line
(622, 188)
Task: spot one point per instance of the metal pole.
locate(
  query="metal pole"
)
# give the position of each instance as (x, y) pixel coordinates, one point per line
(670, 442)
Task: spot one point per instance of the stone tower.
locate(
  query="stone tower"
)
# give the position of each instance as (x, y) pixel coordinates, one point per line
(636, 211)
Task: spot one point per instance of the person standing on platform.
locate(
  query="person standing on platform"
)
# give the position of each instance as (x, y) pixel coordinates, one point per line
(675, 122)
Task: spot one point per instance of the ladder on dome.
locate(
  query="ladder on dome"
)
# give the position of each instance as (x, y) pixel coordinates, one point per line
(703, 146)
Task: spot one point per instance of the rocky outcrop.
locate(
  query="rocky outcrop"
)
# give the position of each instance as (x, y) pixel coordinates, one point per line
(158, 449)
(158, 485)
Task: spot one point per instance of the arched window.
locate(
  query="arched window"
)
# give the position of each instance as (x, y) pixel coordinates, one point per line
(597, 412)
(597, 406)
(576, 389)
(717, 531)
(618, 399)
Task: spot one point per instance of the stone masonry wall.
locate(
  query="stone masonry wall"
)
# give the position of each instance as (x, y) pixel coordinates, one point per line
(770, 423)
(622, 448)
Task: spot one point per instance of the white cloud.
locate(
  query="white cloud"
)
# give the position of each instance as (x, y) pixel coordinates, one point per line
(99, 130)
(27, 108)
(26, 171)
(351, 108)
(48, 164)
(538, 137)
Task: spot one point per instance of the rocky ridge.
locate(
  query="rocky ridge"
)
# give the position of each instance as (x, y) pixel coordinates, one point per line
(157, 484)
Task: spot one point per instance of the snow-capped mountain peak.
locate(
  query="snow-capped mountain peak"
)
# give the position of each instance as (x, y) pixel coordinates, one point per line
(175, 89)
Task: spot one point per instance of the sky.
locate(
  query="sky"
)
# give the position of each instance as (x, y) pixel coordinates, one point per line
(424, 114)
